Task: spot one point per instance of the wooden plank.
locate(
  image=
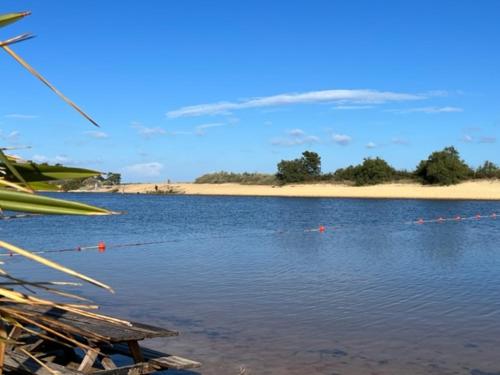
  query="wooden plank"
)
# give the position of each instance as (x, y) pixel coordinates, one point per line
(175, 362)
(137, 369)
(22, 364)
(156, 358)
(88, 361)
(136, 352)
(99, 330)
(108, 363)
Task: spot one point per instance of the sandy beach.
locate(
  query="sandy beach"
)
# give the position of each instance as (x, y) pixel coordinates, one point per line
(479, 190)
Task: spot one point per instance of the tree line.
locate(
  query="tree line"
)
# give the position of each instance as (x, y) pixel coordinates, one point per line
(443, 167)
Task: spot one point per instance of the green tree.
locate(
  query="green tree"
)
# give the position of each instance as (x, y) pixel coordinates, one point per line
(112, 179)
(443, 168)
(487, 170)
(312, 164)
(306, 168)
(373, 171)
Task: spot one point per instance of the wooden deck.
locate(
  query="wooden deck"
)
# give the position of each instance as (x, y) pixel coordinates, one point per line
(103, 343)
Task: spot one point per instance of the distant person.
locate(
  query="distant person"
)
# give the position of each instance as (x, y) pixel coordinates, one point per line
(156, 188)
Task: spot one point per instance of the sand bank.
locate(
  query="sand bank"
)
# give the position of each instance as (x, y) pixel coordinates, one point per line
(484, 189)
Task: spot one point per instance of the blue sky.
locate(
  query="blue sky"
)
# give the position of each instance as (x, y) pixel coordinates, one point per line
(188, 87)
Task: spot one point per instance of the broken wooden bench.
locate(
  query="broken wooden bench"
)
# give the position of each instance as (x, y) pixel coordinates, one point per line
(104, 343)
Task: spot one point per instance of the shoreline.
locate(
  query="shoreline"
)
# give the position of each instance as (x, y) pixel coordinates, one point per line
(470, 190)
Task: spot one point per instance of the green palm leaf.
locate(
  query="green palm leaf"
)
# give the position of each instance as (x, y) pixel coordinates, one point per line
(8, 18)
(5, 160)
(24, 202)
(32, 172)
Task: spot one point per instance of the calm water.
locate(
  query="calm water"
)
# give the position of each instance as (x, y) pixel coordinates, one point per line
(249, 289)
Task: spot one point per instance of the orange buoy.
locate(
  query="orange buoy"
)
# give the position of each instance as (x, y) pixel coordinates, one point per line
(321, 228)
(101, 247)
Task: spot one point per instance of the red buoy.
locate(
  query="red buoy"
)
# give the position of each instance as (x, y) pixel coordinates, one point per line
(478, 216)
(420, 221)
(458, 217)
(101, 247)
(494, 215)
(321, 228)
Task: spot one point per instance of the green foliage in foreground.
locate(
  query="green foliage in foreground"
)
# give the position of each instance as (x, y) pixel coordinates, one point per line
(237, 178)
(33, 172)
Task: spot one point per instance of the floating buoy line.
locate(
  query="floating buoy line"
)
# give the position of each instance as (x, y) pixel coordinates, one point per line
(101, 246)
(420, 221)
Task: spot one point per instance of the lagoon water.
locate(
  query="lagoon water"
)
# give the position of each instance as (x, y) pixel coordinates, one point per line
(252, 292)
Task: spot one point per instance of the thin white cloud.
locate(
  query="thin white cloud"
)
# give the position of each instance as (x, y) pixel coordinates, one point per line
(351, 107)
(371, 145)
(467, 138)
(325, 96)
(151, 169)
(400, 141)
(147, 132)
(10, 136)
(202, 129)
(295, 137)
(488, 139)
(58, 159)
(428, 110)
(97, 134)
(20, 116)
(341, 139)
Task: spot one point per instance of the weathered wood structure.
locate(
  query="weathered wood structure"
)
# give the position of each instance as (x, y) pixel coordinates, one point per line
(104, 348)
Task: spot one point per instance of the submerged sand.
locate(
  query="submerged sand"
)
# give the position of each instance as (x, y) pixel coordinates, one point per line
(482, 189)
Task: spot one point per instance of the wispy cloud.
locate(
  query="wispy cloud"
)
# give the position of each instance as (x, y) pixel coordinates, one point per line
(295, 137)
(148, 132)
(488, 139)
(467, 138)
(10, 136)
(428, 110)
(58, 159)
(341, 139)
(324, 96)
(151, 169)
(97, 134)
(400, 141)
(202, 129)
(20, 116)
(352, 107)
(371, 145)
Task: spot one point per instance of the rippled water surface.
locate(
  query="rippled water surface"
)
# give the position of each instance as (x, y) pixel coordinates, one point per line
(251, 291)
